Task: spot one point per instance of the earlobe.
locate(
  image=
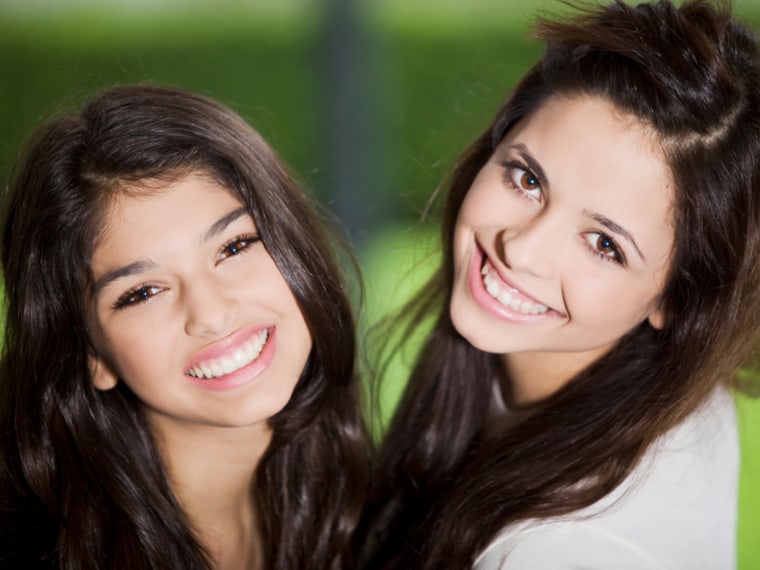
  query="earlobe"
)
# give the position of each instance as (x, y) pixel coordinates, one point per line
(657, 319)
(102, 376)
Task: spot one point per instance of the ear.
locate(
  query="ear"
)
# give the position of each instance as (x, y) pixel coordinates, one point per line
(102, 375)
(658, 319)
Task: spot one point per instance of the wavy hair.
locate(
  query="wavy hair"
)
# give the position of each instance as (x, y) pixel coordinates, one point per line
(690, 75)
(82, 481)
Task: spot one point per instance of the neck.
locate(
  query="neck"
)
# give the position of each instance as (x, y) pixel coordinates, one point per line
(532, 376)
(211, 471)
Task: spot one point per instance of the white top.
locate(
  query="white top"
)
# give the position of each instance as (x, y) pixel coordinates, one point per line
(676, 511)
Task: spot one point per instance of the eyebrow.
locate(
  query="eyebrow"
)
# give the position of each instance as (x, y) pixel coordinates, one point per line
(221, 224)
(532, 163)
(615, 228)
(143, 265)
(119, 273)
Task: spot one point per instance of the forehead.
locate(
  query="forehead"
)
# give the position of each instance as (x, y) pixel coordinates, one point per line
(157, 210)
(592, 129)
(589, 140)
(146, 199)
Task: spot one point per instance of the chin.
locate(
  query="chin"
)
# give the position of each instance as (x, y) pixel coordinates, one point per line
(472, 330)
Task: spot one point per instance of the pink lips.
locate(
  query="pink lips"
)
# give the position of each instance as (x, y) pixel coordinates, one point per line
(487, 302)
(227, 345)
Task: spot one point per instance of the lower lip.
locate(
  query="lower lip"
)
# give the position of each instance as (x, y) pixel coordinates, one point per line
(243, 375)
(484, 299)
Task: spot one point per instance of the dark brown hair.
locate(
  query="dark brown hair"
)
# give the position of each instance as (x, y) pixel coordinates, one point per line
(82, 483)
(690, 75)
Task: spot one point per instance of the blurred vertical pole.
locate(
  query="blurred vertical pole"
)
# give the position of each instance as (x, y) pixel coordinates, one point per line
(354, 177)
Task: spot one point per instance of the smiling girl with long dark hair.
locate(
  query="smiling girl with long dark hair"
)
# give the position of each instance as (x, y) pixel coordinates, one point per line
(177, 383)
(600, 286)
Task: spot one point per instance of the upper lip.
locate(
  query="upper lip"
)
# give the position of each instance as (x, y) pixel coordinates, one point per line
(225, 345)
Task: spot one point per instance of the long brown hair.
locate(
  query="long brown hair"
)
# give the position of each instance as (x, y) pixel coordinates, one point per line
(82, 482)
(690, 75)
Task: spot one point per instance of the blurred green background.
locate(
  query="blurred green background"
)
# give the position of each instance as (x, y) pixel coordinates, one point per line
(369, 101)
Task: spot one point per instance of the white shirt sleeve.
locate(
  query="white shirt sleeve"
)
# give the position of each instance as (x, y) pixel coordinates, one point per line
(565, 546)
(677, 510)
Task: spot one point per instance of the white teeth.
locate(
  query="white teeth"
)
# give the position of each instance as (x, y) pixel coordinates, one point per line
(239, 358)
(492, 287)
(242, 356)
(506, 298)
(228, 365)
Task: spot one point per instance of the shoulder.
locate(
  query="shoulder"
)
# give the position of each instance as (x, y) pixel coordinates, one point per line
(677, 510)
(556, 545)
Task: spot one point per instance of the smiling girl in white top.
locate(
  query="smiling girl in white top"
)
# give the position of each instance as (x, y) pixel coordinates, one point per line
(600, 286)
(178, 385)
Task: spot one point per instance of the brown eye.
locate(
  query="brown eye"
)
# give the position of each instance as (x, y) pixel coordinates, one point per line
(137, 296)
(234, 248)
(237, 246)
(528, 181)
(605, 247)
(523, 181)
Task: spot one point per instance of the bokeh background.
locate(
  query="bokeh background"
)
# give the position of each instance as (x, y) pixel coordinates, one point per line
(369, 102)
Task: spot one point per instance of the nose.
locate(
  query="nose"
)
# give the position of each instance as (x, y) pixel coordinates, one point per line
(211, 307)
(534, 247)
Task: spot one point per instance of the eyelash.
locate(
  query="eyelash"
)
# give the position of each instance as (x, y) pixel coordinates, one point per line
(143, 293)
(510, 168)
(242, 242)
(617, 254)
(136, 296)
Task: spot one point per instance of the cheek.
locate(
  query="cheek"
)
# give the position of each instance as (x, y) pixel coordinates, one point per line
(477, 211)
(136, 353)
(268, 289)
(265, 287)
(479, 207)
(463, 255)
(616, 307)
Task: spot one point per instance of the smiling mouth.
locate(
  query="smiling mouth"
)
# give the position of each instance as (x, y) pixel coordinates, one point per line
(507, 295)
(242, 356)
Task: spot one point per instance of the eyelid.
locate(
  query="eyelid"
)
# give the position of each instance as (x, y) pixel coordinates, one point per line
(250, 238)
(616, 229)
(529, 163)
(122, 301)
(621, 257)
(510, 166)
